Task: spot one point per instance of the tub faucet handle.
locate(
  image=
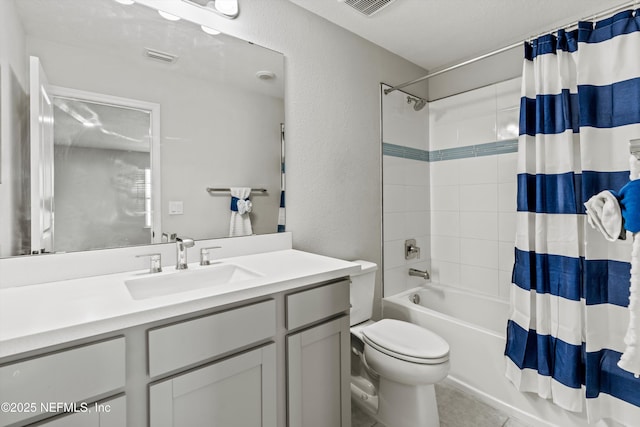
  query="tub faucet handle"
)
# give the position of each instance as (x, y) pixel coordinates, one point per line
(411, 251)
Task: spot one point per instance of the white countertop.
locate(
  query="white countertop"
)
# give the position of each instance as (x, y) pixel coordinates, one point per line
(38, 316)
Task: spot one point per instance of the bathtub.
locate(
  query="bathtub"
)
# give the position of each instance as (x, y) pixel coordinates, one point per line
(473, 325)
(475, 328)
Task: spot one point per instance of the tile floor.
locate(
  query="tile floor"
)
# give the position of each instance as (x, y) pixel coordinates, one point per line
(456, 409)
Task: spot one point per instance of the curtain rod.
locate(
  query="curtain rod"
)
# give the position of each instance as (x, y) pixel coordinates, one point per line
(506, 48)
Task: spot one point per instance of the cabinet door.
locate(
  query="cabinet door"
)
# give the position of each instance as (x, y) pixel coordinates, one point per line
(239, 391)
(318, 376)
(110, 413)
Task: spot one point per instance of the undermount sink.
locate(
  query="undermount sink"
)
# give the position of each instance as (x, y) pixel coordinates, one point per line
(174, 282)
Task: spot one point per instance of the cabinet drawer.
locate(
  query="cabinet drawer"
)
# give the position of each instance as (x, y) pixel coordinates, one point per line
(75, 375)
(182, 344)
(318, 303)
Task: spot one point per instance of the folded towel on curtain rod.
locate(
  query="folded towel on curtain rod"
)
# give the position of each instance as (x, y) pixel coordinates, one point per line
(630, 359)
(604, 214)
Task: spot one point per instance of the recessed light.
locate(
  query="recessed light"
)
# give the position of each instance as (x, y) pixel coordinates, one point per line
(209, 30)
(125, 2)
(168, 16)
(265, 75)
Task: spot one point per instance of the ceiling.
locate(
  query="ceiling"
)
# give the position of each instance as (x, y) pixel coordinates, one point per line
(438, 33)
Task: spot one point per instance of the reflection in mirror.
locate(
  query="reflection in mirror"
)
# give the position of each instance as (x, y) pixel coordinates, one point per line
(102, 159)
(218, 123)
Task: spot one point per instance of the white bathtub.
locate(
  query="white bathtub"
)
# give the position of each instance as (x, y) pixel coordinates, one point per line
(475, 328)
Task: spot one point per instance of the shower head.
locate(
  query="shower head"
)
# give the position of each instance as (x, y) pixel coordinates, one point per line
(419, 102)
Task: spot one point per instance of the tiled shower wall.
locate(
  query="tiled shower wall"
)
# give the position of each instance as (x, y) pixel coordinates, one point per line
(471, 189)
(405, 190)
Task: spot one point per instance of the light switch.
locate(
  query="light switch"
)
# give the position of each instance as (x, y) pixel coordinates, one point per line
(175, 208)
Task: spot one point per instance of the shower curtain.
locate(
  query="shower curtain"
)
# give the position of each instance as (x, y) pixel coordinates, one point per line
(580, 106)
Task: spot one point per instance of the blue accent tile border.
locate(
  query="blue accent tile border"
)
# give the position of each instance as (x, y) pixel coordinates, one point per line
(488, 149)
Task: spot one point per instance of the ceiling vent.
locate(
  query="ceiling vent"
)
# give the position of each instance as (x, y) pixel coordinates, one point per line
(160, 56)
(368, 7)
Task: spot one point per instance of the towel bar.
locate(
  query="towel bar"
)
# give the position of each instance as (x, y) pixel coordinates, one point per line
(216, 190)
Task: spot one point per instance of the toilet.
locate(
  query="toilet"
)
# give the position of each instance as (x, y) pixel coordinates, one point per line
(394, 364)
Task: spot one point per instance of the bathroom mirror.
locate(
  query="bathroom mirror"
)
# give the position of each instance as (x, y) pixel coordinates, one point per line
(147, 114)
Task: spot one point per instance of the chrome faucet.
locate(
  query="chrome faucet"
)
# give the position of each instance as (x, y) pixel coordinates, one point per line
(182, 243)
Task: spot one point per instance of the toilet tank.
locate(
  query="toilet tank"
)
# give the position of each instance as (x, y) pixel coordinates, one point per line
(362, 288)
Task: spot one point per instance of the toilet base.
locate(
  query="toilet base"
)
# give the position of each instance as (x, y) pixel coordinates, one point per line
(402, 405)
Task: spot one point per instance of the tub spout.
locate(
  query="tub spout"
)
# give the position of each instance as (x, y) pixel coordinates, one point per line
(419, 273)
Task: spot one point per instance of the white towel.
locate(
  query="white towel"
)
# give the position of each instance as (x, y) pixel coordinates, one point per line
(240, 224)
(630, 360)
(603, 214)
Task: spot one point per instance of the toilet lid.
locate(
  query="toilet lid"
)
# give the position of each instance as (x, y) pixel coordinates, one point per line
(406, 341)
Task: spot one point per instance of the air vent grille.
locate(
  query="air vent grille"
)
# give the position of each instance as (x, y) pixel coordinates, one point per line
(160, 56)
(368, 7)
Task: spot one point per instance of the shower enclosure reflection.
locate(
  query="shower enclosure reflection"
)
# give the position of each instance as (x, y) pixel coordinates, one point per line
(103, 189)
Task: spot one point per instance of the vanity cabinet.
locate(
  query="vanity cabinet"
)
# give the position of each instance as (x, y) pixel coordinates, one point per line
(44, 384)
(109, 413)
(318, 357)
(238, 391)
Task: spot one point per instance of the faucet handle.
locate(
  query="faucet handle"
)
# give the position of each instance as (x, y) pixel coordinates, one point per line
(204, 255)
(155, 262)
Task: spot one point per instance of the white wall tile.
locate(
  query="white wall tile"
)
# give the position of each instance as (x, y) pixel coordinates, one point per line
(393, 253)
(478, 170)
(480, 279)
(508, 93)
(394, 198)
(507, 167)
(477, 130)
(443, 136)
(504, 284)
(424, 243)
(416, 172)
(417, 198)
(445, 198)
(417, 224)
(478, 198)
(508, 123)
(394, 226)
(445, 223)
(445, 273)
(507, 227)
(481, 253)
(507, 197)
(479, 225)
(445, 172)
(393, 170)
(445, 248)
(394, 280)
(506, 257)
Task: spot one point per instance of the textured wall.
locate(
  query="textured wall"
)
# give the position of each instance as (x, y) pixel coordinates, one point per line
(332, 116)
(14, 133)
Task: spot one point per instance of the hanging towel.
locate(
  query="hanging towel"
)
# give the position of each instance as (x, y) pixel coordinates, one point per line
(603, 214)
(629, 198)
(630, 359)
(241, 206)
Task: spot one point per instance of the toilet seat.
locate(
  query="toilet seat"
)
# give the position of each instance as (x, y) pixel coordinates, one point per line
(406, 341)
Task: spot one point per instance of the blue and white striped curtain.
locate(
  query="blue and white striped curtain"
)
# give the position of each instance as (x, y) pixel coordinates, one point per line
(580, 106)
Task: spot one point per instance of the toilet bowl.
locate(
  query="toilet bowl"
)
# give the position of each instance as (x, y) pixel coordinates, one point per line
(400, 362)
